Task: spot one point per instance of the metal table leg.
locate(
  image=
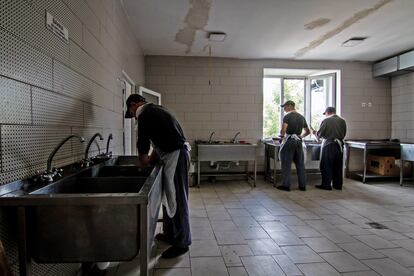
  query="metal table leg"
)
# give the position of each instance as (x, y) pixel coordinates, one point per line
(274, 166)
(255, 173)
(266, 164)
(348, 153)
(24, 257)
(144, 248)
(198, 174)
(365, 166)
(401, 172)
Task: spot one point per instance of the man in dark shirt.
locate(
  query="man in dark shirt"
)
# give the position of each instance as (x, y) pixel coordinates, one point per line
(333, 131)
(157, 125)
(291, 148)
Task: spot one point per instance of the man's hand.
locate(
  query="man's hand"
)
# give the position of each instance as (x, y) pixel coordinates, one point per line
(144, 160)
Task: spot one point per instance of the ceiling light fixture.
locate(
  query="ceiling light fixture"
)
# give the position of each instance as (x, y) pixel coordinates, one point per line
(216, 36)
(353, 41)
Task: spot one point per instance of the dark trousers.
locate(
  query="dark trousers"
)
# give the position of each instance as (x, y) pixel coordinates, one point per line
(332, 165)
(292, 151)
(178, 227)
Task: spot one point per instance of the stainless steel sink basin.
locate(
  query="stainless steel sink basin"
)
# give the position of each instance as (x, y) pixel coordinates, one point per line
(91, 185)
(107, 212)
(225, 152)
(123, 171)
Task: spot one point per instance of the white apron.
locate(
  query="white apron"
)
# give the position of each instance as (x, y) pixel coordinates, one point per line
(338, 141)
(297, 138)
(169, 160)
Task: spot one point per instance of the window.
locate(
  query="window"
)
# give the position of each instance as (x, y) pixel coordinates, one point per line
(312, 93)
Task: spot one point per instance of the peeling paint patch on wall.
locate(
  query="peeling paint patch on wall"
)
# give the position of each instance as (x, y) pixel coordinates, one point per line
(317, 23)
(347, 23)
(196, 19)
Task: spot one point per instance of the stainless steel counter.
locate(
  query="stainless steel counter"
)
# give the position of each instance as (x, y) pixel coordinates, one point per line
(111, 214)
(272, 159)
(225, 152)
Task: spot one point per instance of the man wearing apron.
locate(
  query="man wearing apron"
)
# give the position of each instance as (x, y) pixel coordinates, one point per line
(158, 126)
(291, 148)
(333, 131)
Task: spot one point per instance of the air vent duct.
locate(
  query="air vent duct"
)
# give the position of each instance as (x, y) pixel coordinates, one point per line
(394, 66)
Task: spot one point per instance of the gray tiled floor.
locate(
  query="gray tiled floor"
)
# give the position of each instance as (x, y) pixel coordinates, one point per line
(239, 230)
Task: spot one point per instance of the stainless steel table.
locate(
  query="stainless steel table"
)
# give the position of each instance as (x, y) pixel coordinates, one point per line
(226, 152)
(272, 157)
(407, 154)
(271, 153)
(386, 147)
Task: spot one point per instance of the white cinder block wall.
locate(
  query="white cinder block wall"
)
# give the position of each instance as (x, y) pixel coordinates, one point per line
(234, 100)
(403, 107)
(50, 89)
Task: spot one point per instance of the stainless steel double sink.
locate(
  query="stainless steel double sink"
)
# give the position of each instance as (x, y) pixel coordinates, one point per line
(225, 151)
(107, 212)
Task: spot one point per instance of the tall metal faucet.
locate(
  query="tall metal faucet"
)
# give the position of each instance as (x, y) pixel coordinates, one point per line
(52, 154)
(90, 143)
(110, 137)
(211, 136)
(234, 141)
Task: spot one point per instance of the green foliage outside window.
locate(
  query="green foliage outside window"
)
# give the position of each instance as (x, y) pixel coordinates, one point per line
(293, 90)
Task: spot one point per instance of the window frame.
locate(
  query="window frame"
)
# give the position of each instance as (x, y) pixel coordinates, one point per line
(330, 101)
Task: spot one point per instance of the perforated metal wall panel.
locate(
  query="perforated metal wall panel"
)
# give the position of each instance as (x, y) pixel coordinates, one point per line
(15, 103)
(20, 61)
(79, 150)
(53, 108)
(63, 270)
(62, 13)
(10, 176)
(82, 62)
(41, 269)
(87, 133)
(69, 82)
(89, 67)
(99, 117)
(22, 20)
(25, 146)
(102, 97)
(73, 84)
(81, 9)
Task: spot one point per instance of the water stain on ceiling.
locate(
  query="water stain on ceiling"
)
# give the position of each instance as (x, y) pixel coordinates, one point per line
(317, 23)
(196, 19)
(347, 23)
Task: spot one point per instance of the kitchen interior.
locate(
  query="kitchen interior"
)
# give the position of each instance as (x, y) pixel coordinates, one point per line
(75, 199)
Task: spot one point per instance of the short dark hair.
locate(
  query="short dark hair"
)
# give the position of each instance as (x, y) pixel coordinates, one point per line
(291, 103)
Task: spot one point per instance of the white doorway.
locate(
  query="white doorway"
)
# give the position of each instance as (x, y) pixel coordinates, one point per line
(127, 89)
(150, 95)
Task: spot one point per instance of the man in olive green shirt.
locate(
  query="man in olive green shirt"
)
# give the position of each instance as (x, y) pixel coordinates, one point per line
(333, 131)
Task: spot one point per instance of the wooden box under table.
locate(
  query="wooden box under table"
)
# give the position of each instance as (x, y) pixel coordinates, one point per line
(386, 165)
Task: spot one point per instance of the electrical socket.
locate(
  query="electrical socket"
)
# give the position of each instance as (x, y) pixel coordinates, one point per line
(369, 104)
(363, 105)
